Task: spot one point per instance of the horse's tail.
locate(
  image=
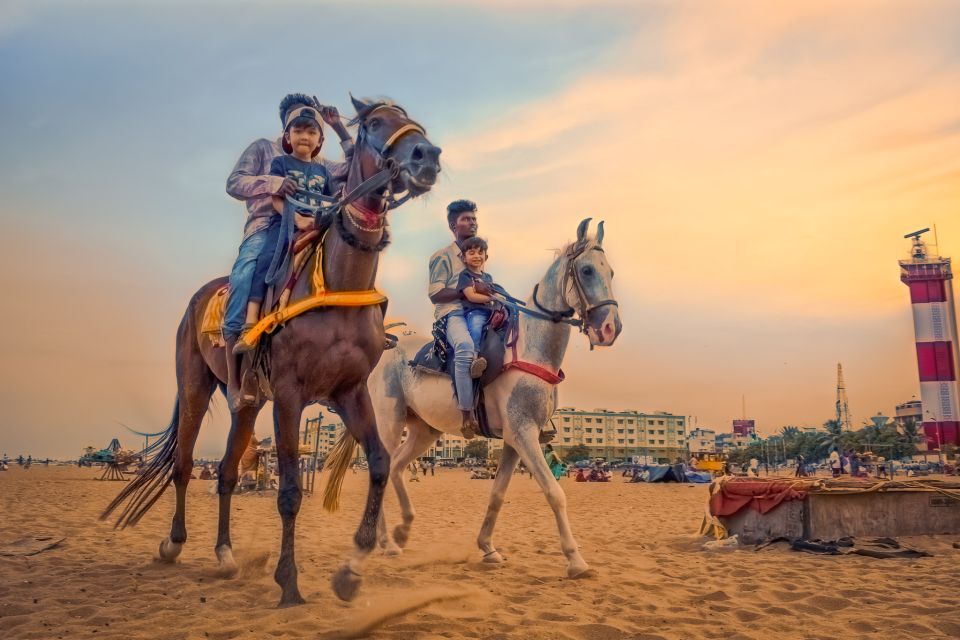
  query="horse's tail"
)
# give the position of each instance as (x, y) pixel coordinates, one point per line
(338, 461)
(153, 479)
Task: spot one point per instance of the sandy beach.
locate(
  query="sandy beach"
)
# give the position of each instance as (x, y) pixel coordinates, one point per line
(651, 577)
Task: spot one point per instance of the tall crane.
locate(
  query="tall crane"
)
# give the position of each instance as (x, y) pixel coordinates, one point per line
(843, 410)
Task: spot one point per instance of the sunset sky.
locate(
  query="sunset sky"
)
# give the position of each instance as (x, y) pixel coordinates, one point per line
(756, 164)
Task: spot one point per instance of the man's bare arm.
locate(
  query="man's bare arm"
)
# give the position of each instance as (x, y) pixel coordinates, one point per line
(445, 295)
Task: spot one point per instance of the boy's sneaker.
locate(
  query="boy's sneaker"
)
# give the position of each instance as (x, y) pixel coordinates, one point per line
(477, 367)
(242, 346)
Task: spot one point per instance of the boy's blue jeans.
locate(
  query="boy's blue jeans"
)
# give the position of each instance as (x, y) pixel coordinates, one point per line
(476, 320)
(241, 278)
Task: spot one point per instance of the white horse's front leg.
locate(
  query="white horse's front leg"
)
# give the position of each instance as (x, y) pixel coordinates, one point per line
(525, 440)
(418, 441)
(508, 462)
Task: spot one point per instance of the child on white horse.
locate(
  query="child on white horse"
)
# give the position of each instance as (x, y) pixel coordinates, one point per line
(477, 307)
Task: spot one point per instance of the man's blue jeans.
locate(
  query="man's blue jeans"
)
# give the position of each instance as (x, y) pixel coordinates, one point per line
(459, 338)
(240, 279)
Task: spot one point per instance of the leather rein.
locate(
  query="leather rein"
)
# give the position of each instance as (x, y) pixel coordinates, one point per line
(348, 206)
(574, 316)
(567, 316)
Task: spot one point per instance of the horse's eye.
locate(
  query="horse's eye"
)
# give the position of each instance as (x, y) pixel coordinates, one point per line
(374, 123)
(587, 271)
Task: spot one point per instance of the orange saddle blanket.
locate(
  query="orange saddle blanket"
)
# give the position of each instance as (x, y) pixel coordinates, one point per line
(308, 258)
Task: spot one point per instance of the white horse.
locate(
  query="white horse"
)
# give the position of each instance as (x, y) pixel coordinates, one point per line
(576, 290)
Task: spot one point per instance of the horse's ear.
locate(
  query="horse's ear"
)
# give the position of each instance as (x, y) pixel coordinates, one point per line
(600, 233)
(582, 230)
(358, 105)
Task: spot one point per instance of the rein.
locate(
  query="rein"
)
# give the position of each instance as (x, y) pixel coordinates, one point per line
(567, 316)
(349, 205)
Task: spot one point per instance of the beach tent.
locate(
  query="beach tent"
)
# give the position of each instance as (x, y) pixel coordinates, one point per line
(666, 473)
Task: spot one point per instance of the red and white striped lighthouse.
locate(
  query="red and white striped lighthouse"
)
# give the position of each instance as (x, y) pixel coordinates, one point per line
(935, 325)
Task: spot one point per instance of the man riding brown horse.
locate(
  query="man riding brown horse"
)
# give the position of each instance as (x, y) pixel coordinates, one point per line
(251, 182)
(324, 353)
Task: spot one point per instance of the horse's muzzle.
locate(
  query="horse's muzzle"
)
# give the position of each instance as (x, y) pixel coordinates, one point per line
(604, 326)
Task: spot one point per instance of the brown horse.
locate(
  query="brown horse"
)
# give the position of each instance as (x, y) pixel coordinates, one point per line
(325, 355)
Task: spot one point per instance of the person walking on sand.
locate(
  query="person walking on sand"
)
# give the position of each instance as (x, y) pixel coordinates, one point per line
(553, 460)
(801, 466)
(835, 467)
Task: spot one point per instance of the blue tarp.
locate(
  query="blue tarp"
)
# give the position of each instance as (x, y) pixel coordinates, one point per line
(670, 473)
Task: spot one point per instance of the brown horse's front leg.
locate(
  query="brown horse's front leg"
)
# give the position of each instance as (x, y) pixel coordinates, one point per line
(356, 410)
(286, 425)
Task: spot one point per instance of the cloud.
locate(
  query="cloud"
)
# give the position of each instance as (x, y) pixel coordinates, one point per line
(756, 165)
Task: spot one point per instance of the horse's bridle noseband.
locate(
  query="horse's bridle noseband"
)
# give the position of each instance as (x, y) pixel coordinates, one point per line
(389, 168)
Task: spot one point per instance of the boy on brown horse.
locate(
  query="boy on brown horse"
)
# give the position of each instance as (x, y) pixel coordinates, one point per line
(250, 182)
(302, 139)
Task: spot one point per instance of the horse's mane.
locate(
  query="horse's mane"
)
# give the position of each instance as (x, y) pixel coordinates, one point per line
(576, 246)
(372, 104)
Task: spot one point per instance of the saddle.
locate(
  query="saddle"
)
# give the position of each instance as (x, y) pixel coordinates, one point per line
(436, 357)
(306, 261)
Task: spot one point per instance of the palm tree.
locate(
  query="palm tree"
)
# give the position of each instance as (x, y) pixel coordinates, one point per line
(911, 436)
(789, 432)
(833, 436)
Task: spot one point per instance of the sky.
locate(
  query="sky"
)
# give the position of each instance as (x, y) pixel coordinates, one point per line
(756, 165)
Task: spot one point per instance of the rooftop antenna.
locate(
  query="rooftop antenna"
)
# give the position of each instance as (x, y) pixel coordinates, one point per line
(919, 249)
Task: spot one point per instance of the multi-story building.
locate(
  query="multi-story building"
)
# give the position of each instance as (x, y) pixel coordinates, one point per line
(729, 441)
(447, 446)
(319, 435)
(453, 447)
(909, 410)
(621, 435)
(702, 441)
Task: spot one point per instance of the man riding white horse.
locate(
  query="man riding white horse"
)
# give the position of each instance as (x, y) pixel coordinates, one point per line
(445, 268)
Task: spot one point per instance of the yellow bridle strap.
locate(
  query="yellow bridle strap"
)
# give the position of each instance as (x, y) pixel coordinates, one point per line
(399, 133)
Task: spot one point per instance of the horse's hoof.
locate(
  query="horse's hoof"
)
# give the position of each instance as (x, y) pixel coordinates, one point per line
(400, 535)
(346, 583)
(493, 557)
(292, 600)
(392, 551)
(169, 550)
(228, 566)
(578, 568)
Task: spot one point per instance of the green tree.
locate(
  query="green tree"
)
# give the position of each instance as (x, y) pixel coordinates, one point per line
(476, 449)
(789, 433)
(577, 452)
(910, 437)
(834, 436)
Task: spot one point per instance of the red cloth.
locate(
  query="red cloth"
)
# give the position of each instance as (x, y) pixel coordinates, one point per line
(762, 495)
